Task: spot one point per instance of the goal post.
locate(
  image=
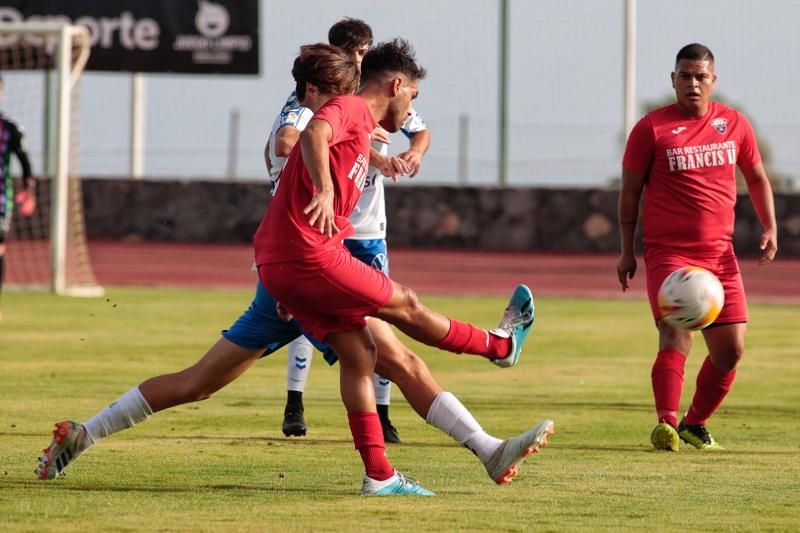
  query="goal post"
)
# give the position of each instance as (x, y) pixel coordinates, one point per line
(59, 242)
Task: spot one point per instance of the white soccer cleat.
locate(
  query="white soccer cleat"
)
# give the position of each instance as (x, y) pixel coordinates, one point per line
(502, 466)
(397, 485)
(516, 323)
(68, 443)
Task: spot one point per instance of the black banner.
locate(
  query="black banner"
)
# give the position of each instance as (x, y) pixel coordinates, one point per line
(196, 36)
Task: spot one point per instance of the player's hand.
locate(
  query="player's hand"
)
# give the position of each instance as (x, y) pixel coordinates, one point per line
(283, 313)
(395, 167)
(381, 135)
(320, 213)
(26, 200)
(414, 161)
(768, 246)
(626, 269)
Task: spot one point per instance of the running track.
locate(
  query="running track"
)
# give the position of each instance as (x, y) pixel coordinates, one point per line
(426, 271)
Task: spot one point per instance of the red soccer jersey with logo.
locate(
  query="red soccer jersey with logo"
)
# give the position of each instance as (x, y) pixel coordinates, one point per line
(284, 233)
(690, 168)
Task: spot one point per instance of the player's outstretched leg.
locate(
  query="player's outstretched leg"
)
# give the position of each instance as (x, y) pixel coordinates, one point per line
(502, 345)
(503, 464)
(223, 363)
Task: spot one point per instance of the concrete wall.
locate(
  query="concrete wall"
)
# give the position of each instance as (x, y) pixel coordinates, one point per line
(452, 217)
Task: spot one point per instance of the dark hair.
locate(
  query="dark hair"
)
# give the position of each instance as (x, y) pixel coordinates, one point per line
(695, 52)
(326, 67)
(349, 34)
(392, 56)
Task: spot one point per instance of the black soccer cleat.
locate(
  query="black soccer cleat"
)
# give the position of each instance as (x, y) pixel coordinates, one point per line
(294, 425)
(390, 435)
(698, 436)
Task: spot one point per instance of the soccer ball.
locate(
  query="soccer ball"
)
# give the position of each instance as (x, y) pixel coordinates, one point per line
(691, 298)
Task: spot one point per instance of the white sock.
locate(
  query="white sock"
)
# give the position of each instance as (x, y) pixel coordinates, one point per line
(298, 364)
(449, 415)
(383, 390)
(129, 409)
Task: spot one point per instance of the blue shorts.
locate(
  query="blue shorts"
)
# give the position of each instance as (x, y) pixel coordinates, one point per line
(373, 253)
(260, 327)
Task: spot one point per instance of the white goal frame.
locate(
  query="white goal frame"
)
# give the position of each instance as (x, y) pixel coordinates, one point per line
(58, 40)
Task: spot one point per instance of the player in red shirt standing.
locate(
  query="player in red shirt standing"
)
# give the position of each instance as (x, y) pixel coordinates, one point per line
(684, 157)
(304, 265)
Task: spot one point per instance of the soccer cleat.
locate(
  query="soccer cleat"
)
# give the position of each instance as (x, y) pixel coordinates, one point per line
(698, 436)
(516, 324)
(390, 435)
(503, 465)
(398, 484)
(68, 443)
(294, 425)
(665, 437)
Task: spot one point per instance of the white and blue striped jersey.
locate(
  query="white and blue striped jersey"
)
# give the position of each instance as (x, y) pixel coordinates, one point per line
(292, 114)
(369, 217)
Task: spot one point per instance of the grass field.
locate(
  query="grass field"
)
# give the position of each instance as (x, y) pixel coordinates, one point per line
(224, 464)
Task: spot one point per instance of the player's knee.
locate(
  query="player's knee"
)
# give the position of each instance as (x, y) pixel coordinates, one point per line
(673, 338)
(727, 360)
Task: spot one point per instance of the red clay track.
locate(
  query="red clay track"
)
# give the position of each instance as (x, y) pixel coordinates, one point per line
(427, 271)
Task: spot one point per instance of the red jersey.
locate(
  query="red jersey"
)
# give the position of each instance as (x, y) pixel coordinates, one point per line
(285, 234)
(690, 169)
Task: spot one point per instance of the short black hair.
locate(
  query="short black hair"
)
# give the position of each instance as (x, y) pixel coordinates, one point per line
(349, 34)
(695, 52)
(392, 56)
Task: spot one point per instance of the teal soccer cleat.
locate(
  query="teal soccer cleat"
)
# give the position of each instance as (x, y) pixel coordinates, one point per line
(516, 324)
(397, 485)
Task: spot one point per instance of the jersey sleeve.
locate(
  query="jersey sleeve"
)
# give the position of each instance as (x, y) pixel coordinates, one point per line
(639, 150)
(413, 124)
(335, 113)
(297, 117)
(749, 156)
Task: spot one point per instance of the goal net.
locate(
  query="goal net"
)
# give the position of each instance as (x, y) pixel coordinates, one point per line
(41, 66)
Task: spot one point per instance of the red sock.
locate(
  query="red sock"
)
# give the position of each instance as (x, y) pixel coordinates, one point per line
(368, 438)
(712, 387)
(667, 379)
(466, 338)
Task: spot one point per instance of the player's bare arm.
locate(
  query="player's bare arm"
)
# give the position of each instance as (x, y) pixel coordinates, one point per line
(628, 216)
(420, 142)
(763, 202)
(285, 140)
(316, 157)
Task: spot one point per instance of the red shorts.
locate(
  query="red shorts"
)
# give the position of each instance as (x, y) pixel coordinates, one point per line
(328, 296)
(660, 262)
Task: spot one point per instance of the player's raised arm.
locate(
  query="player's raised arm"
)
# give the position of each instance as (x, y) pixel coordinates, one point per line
(316, 157)
(760, 191)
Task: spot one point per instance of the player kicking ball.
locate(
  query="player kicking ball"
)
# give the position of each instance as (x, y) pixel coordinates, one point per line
(260, 328)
